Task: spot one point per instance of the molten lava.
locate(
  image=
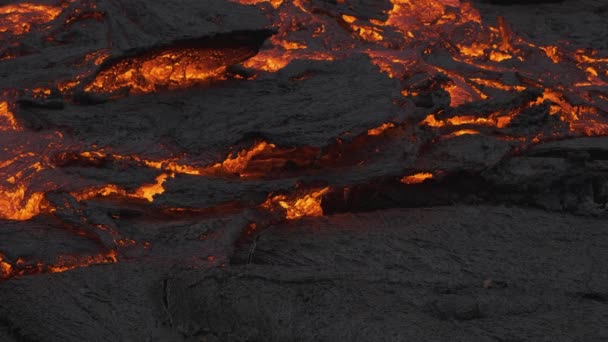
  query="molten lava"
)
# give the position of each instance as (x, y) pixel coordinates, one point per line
(17, 204)
(297, 205)
(170, 68)
(19, 18)
(7, 118)
(380, 129)
(146, 191)
(416, 178)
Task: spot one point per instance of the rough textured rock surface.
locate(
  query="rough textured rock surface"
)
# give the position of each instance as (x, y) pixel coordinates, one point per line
(447, 273)
(344, 188)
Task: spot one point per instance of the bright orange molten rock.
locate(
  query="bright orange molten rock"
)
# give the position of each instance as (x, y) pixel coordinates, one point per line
(163, 70)
(19, 18)
(298, 205)
(416, 178)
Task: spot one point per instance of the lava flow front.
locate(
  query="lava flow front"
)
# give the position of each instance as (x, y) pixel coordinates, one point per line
(109, 121)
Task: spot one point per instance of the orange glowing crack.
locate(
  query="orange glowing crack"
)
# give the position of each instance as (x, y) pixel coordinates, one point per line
(276, 59)
(497, 85)
(66, 263)
(498, 122)
(237, 164)
(234, 164)
(146, 191)
(416, 178)
(62, 264)
(380, 129)
(273, 3)
(464, 132)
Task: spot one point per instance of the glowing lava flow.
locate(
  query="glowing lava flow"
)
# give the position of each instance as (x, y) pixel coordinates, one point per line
(18, 205)
(7, 118)
(297, 205)
(19, 18)
(163, 70)
(380, 129)
(146, 191)
(253, 162)
(16, 202)
(170, 68)
(416, 178)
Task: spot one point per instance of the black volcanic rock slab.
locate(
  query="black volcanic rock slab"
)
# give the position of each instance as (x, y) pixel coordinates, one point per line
(410, 274)
(337, 97)
(595, 147)
(446, 273)
(561, 175)
(95, 304)
(39, 241)
(469, 153)
(202, 192)
(546, 21)
(143, 23)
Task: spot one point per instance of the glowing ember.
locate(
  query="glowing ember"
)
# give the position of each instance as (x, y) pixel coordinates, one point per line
(62, 264)
(298, 205)
(416, 178)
